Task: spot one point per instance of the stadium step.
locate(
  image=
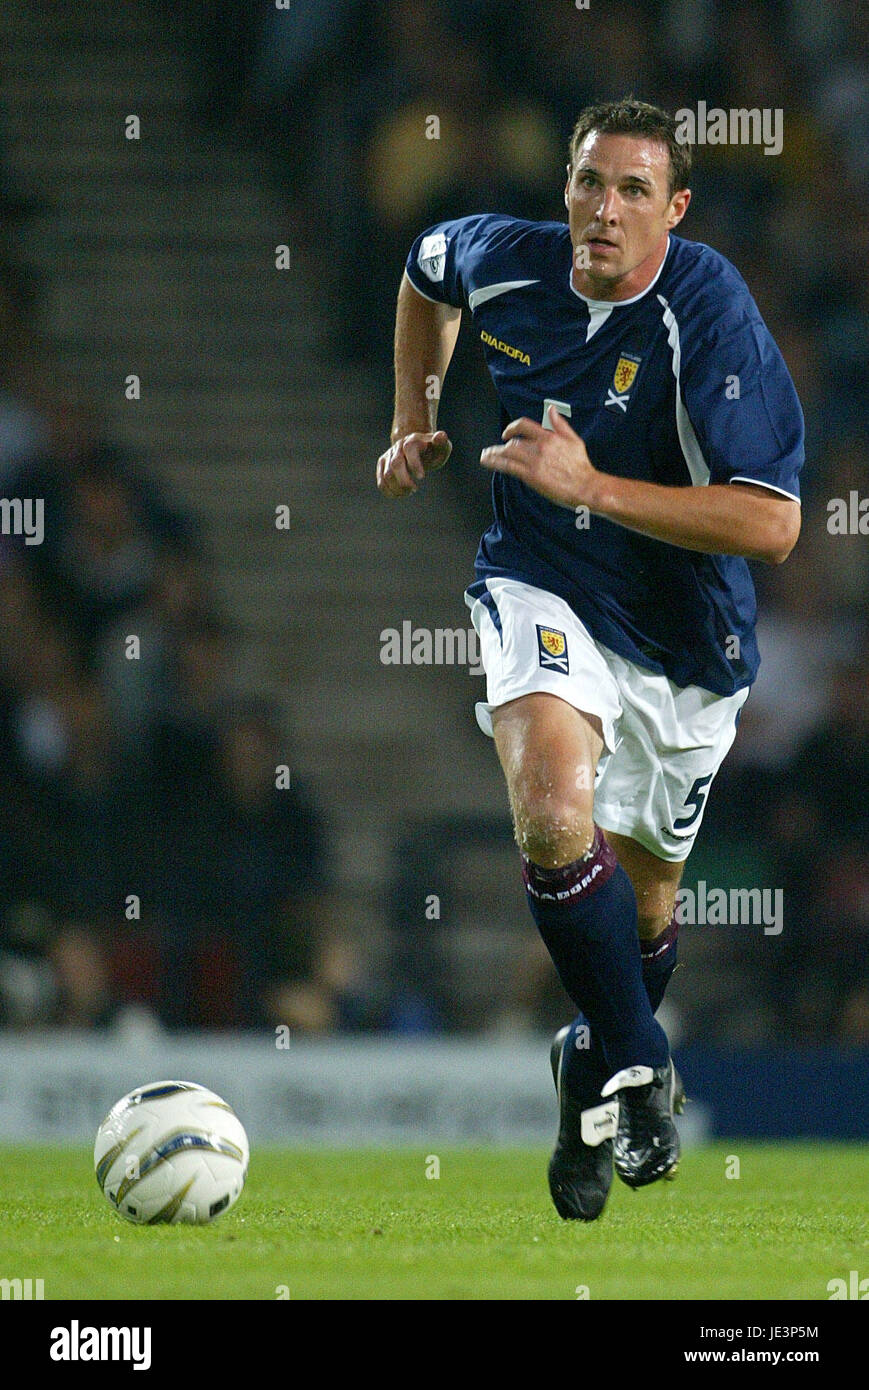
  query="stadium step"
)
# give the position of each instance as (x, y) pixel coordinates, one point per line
(158, 258)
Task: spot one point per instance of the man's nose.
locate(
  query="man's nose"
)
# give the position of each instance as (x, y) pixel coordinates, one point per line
(608, 206)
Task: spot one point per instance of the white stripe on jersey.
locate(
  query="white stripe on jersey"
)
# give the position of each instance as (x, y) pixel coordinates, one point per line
(490, 291)
(691, 451)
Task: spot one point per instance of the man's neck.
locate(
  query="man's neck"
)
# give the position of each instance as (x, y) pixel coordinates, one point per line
(629, 286)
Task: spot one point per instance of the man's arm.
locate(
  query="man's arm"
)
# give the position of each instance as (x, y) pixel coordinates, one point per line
(425, 336)
(722, 519)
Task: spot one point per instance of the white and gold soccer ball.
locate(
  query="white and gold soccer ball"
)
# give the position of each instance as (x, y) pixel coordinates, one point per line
(172, 1151)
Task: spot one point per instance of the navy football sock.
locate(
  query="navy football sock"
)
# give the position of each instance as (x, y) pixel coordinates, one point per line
(586, 913)
(659, 962)
(585, 1069)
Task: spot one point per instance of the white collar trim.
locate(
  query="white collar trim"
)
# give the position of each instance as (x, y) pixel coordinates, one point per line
(617, 303)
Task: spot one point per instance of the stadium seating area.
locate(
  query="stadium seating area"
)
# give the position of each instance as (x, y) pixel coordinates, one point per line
(147, 856)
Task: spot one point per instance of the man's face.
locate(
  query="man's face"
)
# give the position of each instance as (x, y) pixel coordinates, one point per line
(620, 212)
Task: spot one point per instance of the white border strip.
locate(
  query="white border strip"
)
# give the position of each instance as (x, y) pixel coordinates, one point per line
(756, 482)
(691, 451)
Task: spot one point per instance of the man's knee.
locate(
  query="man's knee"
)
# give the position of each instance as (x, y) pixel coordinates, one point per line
(549, 752)
(552, 830)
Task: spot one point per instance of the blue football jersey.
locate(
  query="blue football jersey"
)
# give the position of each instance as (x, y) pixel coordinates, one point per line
(681, 385)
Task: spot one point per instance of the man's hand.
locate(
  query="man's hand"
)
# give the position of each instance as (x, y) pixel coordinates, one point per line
(403, 467)
(717, 519)
(552, 462)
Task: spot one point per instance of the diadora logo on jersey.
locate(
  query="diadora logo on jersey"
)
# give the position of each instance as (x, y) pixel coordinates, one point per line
(619, 393)
(505, 347)
(552, 649)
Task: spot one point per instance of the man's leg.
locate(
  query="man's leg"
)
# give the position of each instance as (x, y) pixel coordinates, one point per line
(580, 896)
(581, 1168)
(655, 882)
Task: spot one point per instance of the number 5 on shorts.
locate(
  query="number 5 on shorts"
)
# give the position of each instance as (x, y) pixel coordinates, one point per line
(696, 797)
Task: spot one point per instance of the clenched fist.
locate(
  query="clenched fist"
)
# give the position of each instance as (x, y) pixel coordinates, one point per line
(404, 465)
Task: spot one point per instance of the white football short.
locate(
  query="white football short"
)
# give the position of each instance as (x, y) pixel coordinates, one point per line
(664, 743)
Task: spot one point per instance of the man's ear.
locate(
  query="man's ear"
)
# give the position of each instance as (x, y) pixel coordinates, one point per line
(567, 187)
(678, 207)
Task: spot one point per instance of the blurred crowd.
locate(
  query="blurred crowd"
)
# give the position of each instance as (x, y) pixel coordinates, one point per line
(159, 858)
(150, 855)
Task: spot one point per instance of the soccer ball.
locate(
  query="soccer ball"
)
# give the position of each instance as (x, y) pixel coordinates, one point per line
(171, 1152)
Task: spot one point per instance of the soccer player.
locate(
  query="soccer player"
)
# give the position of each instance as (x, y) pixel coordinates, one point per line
(652, 445)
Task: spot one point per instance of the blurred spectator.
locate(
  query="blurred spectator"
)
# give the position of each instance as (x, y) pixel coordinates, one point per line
(23, 424)
(464, 956)
(803, 634)
(434, 135)
(104, 523)
(821, 829)
(239, 867)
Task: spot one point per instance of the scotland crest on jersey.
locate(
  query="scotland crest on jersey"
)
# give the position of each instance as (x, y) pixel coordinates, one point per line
(552, 647)
(626, 370)
(624, 375)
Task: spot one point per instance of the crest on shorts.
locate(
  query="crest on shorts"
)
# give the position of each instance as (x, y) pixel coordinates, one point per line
(623, 379)
(552, 649)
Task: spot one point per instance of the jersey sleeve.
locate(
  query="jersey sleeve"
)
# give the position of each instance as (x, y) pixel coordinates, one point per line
(441, 260)
(740, 399)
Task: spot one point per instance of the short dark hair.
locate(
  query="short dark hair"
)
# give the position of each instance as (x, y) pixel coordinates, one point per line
(639, 118)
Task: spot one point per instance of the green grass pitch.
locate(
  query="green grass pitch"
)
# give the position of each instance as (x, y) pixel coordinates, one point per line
(372, 1225)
